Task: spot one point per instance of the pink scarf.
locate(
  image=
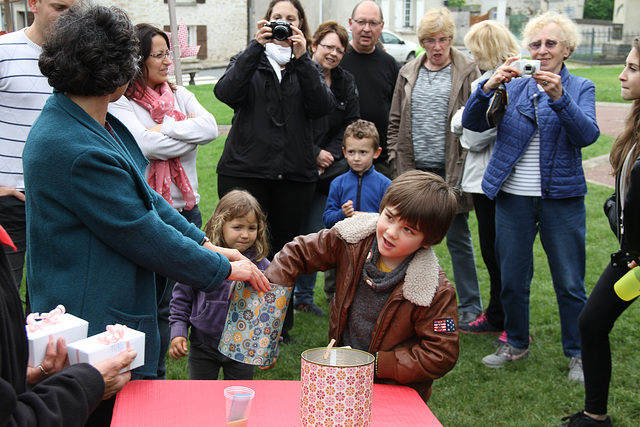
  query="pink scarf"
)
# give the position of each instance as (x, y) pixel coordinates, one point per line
(162, 173)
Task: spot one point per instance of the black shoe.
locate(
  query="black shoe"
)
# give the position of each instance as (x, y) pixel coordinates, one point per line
(310, 308)
(285, 338)
(580, 419)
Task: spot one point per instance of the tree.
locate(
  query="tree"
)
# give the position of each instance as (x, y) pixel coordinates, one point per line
(598, 9)
(457, 3)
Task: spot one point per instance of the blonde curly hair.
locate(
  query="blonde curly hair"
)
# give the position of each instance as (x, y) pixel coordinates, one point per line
(571, 35)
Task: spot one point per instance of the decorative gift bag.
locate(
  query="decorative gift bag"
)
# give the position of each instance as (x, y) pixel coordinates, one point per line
(336, 391)
(254, 323)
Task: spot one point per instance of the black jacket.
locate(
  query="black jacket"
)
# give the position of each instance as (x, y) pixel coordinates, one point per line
(271, 135)
(64, 399)
(628, 229)
(328, 130)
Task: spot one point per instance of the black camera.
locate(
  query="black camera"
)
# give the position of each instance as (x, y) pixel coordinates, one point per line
(280, 29)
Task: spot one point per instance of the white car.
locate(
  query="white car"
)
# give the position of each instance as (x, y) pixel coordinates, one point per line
(402, 50)
(394, 45)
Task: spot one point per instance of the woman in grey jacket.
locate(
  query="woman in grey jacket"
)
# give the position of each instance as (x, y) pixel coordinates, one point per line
(429, 90)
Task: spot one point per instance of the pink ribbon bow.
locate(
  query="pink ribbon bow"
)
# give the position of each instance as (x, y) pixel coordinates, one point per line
(37, 321)
(113, 334)
(186, 51)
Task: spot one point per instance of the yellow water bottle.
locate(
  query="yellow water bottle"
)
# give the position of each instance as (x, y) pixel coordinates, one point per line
(628, 287)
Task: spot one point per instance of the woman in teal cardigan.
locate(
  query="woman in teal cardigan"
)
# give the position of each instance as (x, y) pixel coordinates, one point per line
(97, 233)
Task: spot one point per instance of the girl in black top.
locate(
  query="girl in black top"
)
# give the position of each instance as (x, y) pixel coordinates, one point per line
(604, 305)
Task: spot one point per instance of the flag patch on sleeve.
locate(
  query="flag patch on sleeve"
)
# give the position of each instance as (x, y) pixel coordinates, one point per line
(444, 325)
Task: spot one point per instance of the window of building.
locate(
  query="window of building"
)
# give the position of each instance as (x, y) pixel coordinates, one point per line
(407, 9)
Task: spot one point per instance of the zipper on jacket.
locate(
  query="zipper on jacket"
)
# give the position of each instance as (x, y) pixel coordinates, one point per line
(359, 192)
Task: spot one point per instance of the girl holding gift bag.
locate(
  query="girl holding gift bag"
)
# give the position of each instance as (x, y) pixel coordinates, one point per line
(237, 223)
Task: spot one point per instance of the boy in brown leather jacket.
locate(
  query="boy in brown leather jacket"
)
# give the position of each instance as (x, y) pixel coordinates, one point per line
(392, 298)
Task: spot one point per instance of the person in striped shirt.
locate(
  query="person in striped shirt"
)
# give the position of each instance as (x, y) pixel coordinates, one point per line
(23, 92)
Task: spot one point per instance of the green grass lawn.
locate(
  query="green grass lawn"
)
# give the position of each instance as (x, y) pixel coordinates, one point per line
(605, 79)
(534, 392)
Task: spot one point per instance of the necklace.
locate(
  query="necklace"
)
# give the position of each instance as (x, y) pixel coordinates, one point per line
(433, 75)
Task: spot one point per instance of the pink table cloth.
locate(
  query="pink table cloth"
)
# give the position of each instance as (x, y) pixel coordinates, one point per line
(276, 403)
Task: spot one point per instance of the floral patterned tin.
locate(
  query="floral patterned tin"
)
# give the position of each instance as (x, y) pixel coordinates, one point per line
(254, 323)
(336, 391)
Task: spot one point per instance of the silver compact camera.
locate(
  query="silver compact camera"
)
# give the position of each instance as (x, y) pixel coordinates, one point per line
(527, 67)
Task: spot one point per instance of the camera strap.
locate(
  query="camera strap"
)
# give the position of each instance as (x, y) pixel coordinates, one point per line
(275, 107)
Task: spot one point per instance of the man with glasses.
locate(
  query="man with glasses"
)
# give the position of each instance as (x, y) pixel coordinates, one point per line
(374, 70)
(23, 92)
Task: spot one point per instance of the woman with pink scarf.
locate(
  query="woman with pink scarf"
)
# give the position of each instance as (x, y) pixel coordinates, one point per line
(168, 124)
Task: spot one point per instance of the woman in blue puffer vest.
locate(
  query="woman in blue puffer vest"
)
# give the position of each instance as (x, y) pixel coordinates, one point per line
(535, 174)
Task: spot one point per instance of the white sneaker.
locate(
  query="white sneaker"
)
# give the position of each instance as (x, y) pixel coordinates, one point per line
(504, 354)
(576, 373)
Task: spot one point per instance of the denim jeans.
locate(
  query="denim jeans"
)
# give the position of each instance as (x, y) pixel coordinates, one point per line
(562, 227)
(463, 262)
(306, 283)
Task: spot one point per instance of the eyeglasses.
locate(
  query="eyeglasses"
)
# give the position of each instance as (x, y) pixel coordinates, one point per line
(549, 44)
(431, 42)
(330, 48)
(162, 55)
(362, 23)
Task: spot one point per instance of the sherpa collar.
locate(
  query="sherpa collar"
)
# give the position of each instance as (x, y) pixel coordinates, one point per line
(421, 279)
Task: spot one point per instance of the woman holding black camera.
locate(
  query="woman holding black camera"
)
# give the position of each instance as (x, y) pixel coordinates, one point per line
(275, 89)
(535, 175)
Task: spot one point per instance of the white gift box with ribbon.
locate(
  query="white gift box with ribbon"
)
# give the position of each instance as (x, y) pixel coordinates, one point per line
(55, 324)
(106, 345)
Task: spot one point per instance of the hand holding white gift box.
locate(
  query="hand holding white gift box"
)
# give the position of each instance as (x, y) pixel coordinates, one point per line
(53, 325)
(106, 345)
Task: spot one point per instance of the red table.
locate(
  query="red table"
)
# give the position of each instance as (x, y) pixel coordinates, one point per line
(277, 403)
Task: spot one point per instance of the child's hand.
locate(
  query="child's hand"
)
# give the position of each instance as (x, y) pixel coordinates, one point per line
(273, 364)
(178, 348)
(347, 209)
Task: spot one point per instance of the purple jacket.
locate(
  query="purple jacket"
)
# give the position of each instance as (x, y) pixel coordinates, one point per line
(206, 313)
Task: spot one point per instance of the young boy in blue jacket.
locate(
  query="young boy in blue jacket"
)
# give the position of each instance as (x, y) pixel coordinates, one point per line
(362, 187)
